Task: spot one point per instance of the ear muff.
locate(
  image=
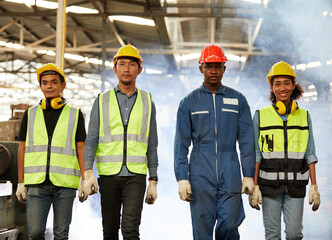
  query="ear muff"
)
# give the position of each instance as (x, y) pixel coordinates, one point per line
(55, 103)
(294, 107)
(281, 108)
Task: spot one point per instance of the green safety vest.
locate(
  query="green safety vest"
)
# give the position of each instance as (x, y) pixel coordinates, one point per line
(64, 170)
(119, 144)
(283, 145)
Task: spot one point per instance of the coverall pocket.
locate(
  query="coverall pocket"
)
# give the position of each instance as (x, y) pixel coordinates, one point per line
(200, 123)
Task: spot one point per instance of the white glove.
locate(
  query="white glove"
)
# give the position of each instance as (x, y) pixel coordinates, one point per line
(314, 197)
(247, 185)
(255, 197)
(21, 193)
(81, 195)
(151, 193)
(90, 183)
(185, 190)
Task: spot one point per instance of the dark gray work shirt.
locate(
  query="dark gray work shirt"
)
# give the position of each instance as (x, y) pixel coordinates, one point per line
(125, 104)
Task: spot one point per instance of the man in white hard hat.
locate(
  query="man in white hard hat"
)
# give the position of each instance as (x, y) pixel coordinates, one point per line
(51, 157)
(123, 139)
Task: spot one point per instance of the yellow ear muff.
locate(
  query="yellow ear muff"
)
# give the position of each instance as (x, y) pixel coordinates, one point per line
(281, 108)
(57, 103)
(294, 107)
(43, 104)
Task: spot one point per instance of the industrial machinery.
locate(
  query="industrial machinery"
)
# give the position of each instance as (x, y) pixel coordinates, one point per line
(13, 223)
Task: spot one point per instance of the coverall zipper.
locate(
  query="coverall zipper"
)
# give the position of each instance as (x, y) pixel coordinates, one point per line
(216, 132)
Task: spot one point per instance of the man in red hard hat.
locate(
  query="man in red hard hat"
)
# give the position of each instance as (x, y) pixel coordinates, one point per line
(51, 157)
(213, 118)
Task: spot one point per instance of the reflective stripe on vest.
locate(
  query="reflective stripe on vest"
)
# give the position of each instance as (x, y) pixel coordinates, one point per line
(281, 175)
(64, 168)
(110, 150)
(281, 143)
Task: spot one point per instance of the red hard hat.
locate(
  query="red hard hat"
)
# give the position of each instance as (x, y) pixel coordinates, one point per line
(212, 53)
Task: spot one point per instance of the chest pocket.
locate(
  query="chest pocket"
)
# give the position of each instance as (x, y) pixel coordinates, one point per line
(200, 121)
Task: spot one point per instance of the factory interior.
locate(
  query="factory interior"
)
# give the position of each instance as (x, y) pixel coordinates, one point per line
(82, 36)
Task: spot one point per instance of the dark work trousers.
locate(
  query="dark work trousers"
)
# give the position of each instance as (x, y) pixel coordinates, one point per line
(125, 192)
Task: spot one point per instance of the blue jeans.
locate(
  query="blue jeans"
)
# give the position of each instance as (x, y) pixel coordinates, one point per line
(292, 209)
(40, 199)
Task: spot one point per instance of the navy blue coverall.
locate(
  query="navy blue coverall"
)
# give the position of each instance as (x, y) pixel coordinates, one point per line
(213, 123)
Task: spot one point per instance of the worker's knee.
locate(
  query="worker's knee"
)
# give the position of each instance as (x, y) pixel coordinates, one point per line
(36, 233)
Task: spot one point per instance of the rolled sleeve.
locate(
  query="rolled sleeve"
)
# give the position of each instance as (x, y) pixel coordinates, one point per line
(310, 154)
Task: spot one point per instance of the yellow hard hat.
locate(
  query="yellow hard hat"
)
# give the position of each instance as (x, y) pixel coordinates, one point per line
(49, 67)
(281, 69)
(128, 51)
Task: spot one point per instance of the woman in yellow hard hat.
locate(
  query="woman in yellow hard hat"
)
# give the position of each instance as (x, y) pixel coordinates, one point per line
(285, 156)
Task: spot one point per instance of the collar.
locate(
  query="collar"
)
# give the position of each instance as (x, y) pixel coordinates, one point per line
(117, 89)
(221, 89)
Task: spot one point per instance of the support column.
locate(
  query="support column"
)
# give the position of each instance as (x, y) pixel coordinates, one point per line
(103, 51)
(61, 31)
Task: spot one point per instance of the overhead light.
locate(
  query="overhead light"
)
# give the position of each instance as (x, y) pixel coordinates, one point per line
(301, 66)
(314, 64)
(325, 13)
(54, 5)
(134, 20)
(11, 45)
(47, 52)
(153, 71)
(253, 1)
(75, 9)
(184, 57)
(236, 58)
(74, 57)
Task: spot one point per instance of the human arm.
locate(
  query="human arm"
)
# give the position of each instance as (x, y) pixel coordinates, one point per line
(152, 156)
(80, 155)
(245, 139)
(310, 156)
(246, 144)
(181, 145)
(91, 143)
(21, 192)
(152, 153)
(314, 195)
(256, 196)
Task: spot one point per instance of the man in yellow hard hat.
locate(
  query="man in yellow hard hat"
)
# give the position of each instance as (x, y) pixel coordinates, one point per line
(123, 139)
(285, 156)
(51, 157)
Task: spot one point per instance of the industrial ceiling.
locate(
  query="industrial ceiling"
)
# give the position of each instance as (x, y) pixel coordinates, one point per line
(254, 34)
